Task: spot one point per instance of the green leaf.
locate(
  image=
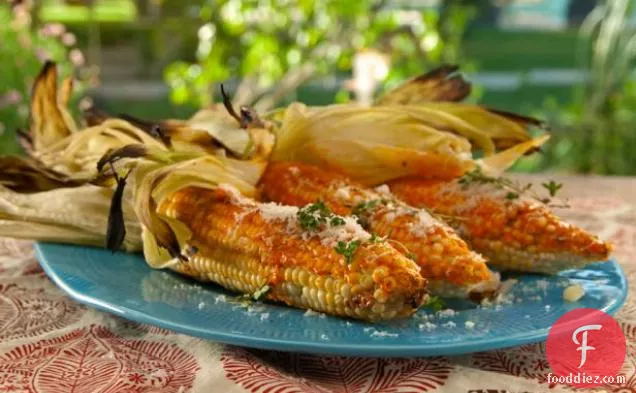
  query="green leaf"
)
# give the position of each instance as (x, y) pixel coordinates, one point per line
(347, 249)
(364, 207)
(434, 303)
(336, 221)
(552, 187)
(312, 216)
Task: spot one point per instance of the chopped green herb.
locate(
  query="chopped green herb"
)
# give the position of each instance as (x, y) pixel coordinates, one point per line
(347, 249)
(261, 292)
(336, 221)
(312, 216)
(552, 187)
(434, 303)
(315, 215)
(244, 300)
(376, 239)
(411, 256)
(364, 207)
(512, 195)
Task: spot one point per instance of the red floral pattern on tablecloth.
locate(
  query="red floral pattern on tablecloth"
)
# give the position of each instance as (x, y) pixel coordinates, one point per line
(28, 312)
(271, 371)
(527, 361)
(17, 258)
(93, 359)
(624, 240)
(142, 327)
(16, 248)
(488, 391)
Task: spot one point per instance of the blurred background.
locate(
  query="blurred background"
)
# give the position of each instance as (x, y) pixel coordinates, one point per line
(569, 62)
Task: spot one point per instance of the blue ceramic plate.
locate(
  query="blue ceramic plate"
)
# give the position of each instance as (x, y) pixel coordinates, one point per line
(124, 285)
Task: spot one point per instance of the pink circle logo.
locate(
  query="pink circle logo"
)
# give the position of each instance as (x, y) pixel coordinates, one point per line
(585, 348)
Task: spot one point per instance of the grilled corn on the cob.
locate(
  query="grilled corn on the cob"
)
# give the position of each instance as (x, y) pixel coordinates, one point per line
(450, 267)
(514, 232)
(244, 246)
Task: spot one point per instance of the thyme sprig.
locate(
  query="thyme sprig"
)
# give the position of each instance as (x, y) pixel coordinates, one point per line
(552, 187)
(515, 189)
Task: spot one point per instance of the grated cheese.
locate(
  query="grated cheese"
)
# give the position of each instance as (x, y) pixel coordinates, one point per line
(379, 333)
(449, 312)
(294, 170)
(273, 211)
(427, 326)
(543, 284)
(475, 193)
(423, 225)
(350, 231)
(384, 190)
(343, 193)
(329, 235)
(311, 313)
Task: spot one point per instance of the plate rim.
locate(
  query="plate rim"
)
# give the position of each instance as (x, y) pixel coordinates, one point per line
(313, 347)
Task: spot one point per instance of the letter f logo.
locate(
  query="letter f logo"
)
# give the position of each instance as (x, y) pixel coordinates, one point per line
(584, 347)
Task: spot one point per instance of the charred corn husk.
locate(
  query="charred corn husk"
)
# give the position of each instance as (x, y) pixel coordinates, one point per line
(451, 268)
(246, 246)
(75, 215)
(444, 83)
(382, 143)
(513, 231)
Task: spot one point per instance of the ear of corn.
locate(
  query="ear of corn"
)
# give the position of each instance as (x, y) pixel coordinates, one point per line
(196, 220)
(513, 232)
(381, 143)
(370, 144)
(503, 132)
(446, 262)
(244, 246)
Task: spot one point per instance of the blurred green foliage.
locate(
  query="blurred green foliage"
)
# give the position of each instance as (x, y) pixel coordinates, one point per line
(272, 47)
(104, 11)
(275, 48)
(22, 52)
(495, 50)
(595, 132)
